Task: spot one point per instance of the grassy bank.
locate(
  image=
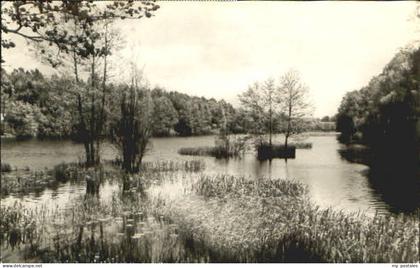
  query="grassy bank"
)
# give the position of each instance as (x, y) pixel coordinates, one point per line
(285, 225)
(25, 181)
(190, 217)
(6, 167)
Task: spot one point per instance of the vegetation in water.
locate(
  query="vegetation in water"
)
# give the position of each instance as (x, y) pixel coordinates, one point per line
(190, 217)
(21, 181)
(169, 211)
(171, 166)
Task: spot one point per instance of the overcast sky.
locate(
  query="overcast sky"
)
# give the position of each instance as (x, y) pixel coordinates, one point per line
(216, 49)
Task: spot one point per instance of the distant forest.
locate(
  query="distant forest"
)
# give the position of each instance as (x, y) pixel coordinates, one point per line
(34, 105)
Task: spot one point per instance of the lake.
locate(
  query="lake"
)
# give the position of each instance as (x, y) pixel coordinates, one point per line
(332, 180)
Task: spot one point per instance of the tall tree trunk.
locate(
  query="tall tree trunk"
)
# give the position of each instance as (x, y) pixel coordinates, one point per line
(289, 121)
(271, 126)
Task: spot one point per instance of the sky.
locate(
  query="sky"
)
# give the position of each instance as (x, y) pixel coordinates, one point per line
(217, 49)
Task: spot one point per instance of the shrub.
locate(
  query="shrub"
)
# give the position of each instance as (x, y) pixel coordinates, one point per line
(5, 167)
(226, 146)
(68, 171)
(165, 166)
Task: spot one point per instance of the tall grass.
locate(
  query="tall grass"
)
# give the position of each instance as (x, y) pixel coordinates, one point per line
(191, 217)
(25, 181)
(68, 171)
(215, 151)
(226, 146)
(274, 221)
(119, 230)
(171, 166)
(233, 186)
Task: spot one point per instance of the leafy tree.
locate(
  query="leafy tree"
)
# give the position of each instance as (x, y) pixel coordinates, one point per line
(295, 104)
(41, 21)
(262, 104)
(164, 116)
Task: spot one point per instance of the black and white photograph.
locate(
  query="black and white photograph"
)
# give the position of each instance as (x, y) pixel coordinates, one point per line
(222, 132)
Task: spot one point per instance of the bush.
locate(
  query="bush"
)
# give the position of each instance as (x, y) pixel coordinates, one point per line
(5, 167)
(301, 145)
(68, 171)
(270, 220)
(165, 166)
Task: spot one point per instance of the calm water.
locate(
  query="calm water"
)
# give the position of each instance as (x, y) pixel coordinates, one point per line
(332, 181)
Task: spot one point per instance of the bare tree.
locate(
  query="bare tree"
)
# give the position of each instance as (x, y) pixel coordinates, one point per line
(293, 95)
(132, 127)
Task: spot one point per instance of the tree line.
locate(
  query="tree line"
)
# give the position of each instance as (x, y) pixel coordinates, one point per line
(34, 105)
(384, 114)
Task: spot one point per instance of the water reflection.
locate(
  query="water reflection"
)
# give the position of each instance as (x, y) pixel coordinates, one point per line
(332, 180)
(400, 192)
(392, 180)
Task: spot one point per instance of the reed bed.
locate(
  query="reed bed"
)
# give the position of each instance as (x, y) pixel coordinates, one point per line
(68, 171)
(215, 151)
(280, 225)
(171, 166)
(26, 181)
(233, 186)
(191, 217)
(301, 145)
(118, 230)
(6, 167)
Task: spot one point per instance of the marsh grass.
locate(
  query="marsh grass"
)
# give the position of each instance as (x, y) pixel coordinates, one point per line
(234, 186)
(301, 145)
(171, 166)
(215, 151)
(265, 151)
(191, 217)
(6, 167)
(21, 181)
(237, 221)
